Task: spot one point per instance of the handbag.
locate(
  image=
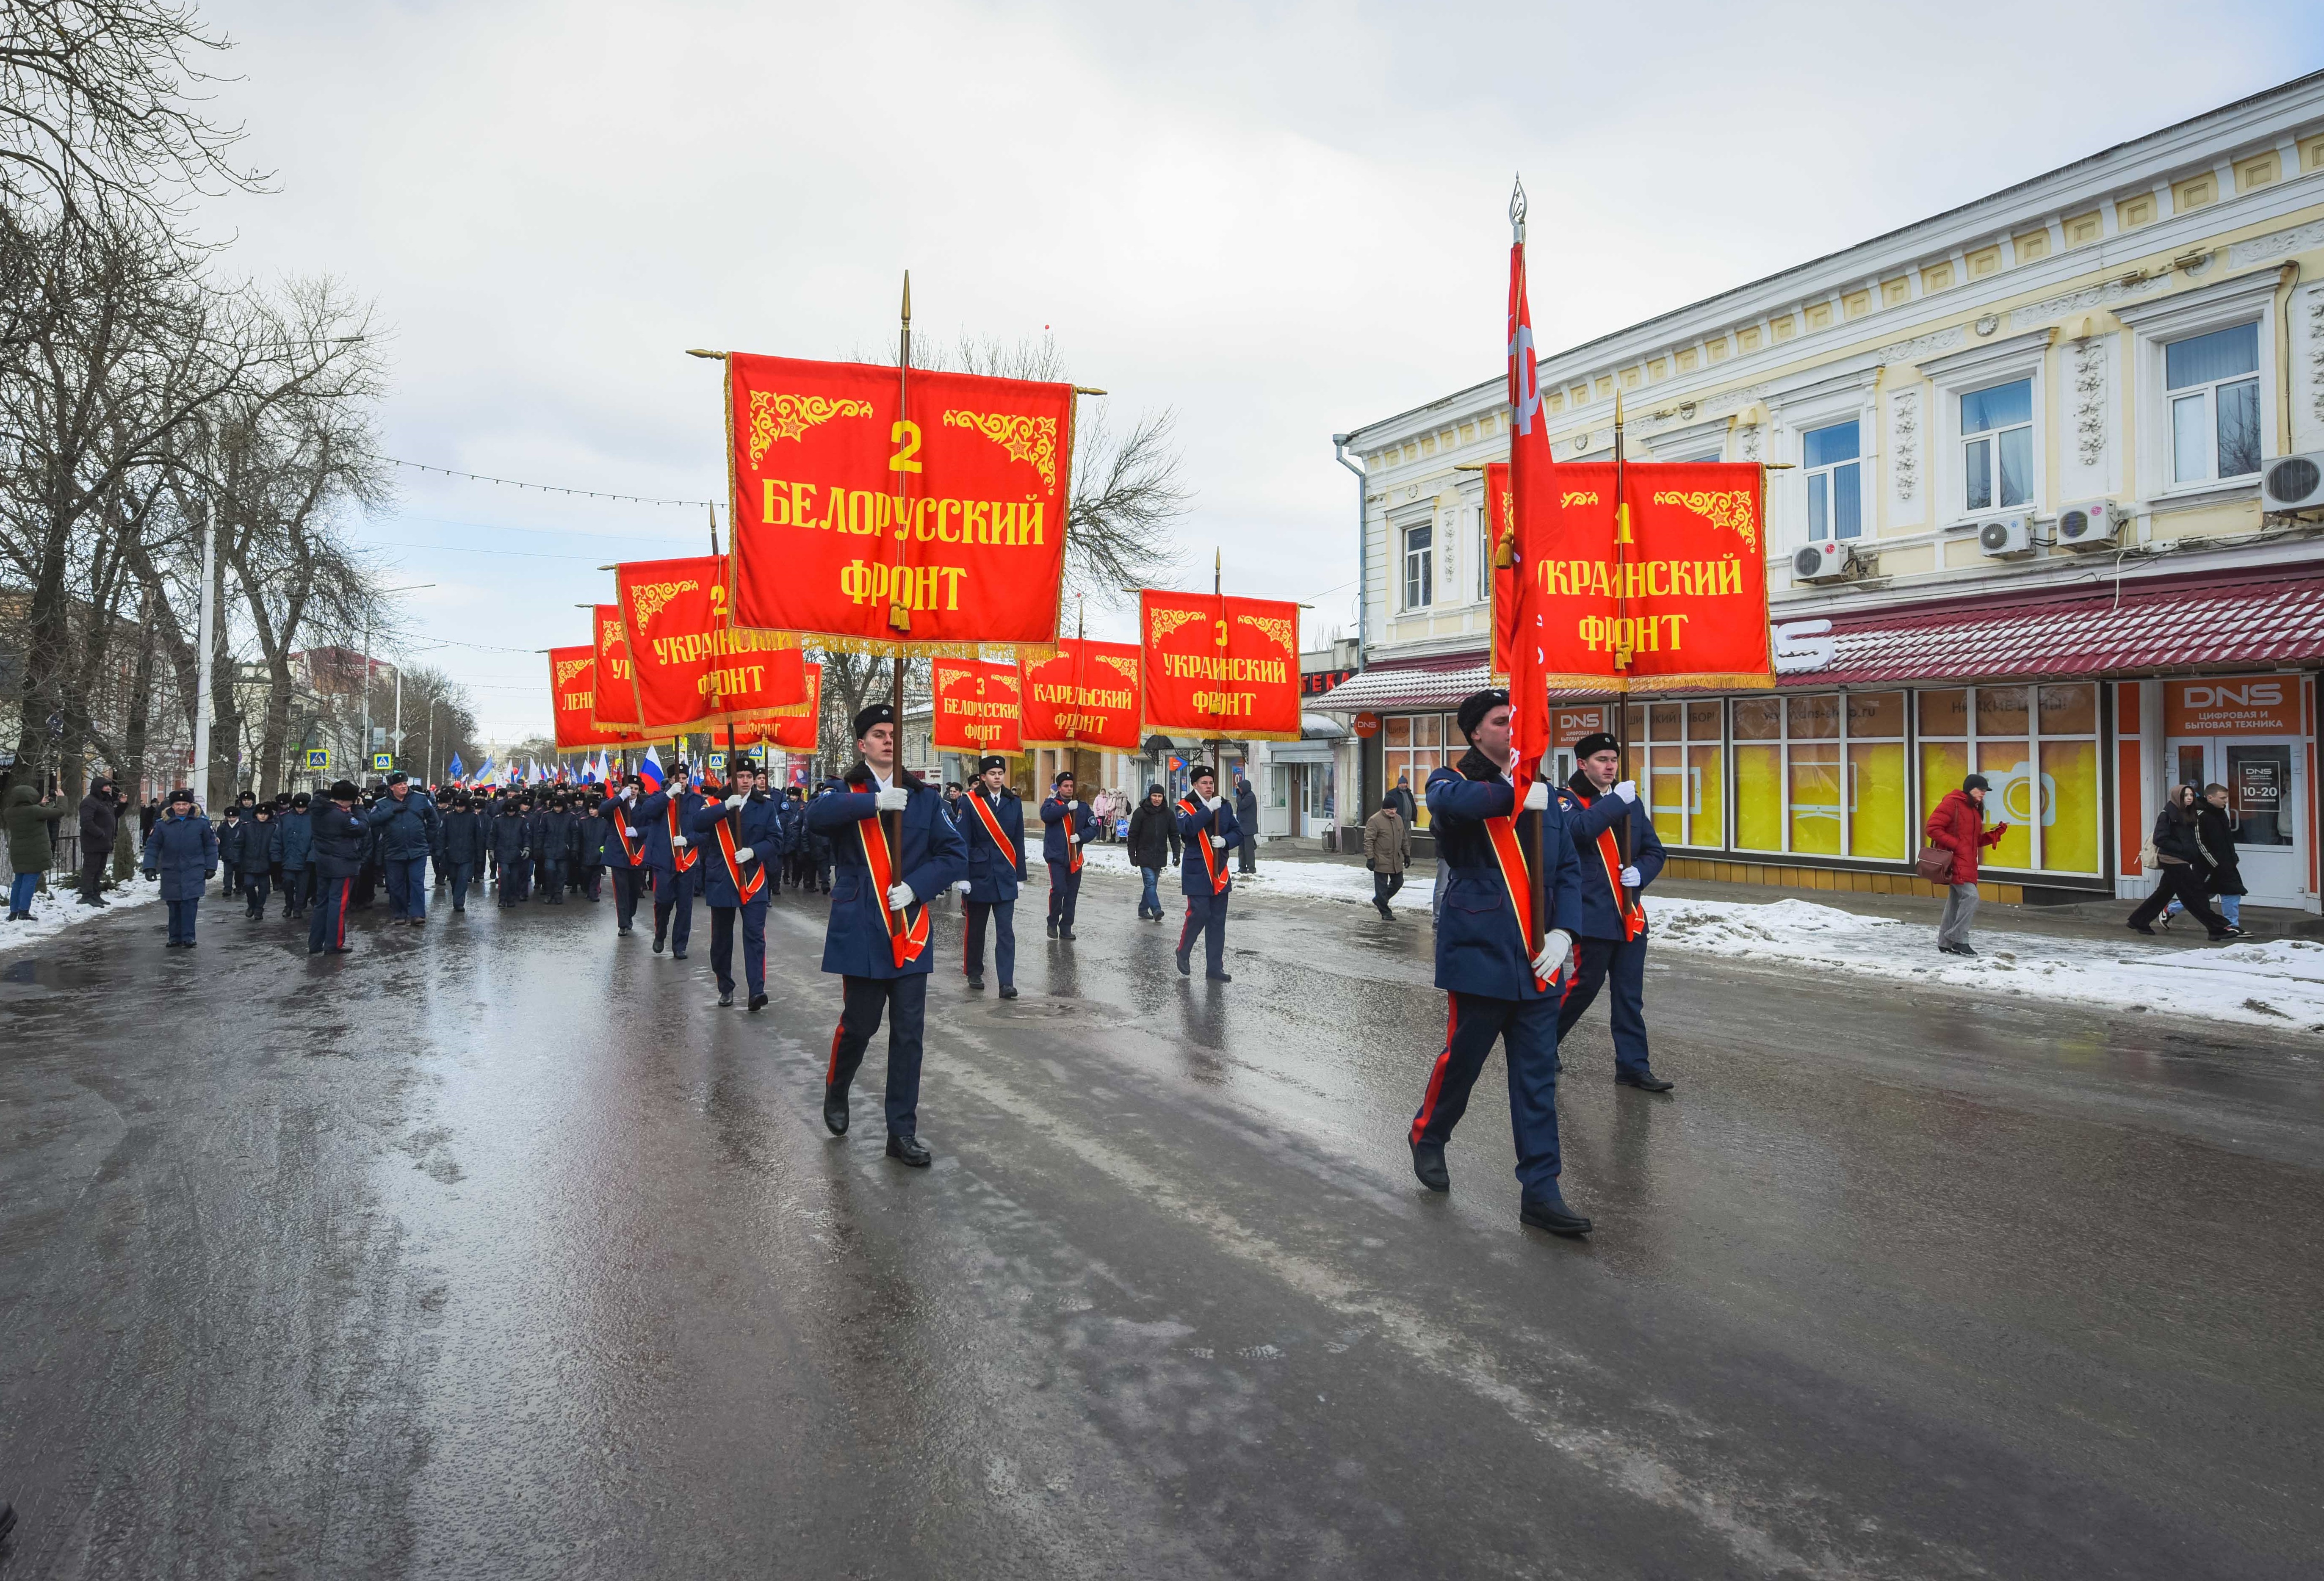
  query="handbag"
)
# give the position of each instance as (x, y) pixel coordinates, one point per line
(1936, 864)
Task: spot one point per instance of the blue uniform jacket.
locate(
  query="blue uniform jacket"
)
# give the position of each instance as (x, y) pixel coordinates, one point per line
(1194, 832)
(341, 840)
(465, 838)
(1054, 813)
(297, 840)
(512, 838)
(256, 847)
(1478, 949)
(409, 828)
(183, 852)
(995, 874)
(651, 818)
(1588, 814)
(856, 943)
(758, 824)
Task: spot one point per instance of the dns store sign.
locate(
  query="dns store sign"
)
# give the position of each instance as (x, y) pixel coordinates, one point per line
(2264, 705)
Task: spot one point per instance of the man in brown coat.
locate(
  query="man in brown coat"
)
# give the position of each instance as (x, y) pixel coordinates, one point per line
(1387, 846)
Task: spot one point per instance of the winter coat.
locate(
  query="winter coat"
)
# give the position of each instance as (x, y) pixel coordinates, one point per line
(183, 854)
(1591, 815)
(228, 830)
(2220, 844)
(28, 818)
(1480, 949)
(1406, 804)
(758, 828)
(147, 817)
(1246, 801)
(99, 816)
(995, 870)
(297, 840)
(464, 839)
(257, 846)
(409, 828)
(1957, 826)
(1194, 832)
(1386, 843)
(341, 840)
(855, 942)
(1153, 835)
(2176, 841)
(1059, 816)
(512, 834)
(592, 837)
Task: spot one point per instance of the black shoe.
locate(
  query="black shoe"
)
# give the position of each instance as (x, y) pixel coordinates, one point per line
(1218, 977)
(1065, 932)
(1008, 990)
(1385, 914)
(2141, 928)
(1552, 1214)
(1052, 927)
(334, 950)
(758, 1003)
(976, 985)
(726, 997)
(1428, 1163)
(2230, 933)
(659, 940)
(458, 909)
(835, 1110)
(1183, 969)
(678, 955)
(1649, 1083)
(907, 1151)
(1963, 950)
(620, 932)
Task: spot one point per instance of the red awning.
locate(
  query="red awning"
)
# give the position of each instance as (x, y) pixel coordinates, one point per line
(1440, 681)
(2255, 620)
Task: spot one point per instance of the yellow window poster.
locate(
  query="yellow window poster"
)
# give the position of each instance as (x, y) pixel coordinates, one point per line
(1760, 798)
(2070, 806)
(2012, 795)
(1707, 772)
(1815, 799)
(1875, 801)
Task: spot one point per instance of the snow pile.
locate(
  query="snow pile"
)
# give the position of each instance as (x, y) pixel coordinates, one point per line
(2277, 984)
(58, 909)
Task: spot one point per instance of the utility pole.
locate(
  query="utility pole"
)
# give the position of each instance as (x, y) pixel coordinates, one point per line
(205, 703)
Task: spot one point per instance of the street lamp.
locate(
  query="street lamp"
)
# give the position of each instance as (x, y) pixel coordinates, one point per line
(384, 592)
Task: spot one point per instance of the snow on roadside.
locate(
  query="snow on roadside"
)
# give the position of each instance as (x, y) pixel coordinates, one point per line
(58, 909)
(2277, 984)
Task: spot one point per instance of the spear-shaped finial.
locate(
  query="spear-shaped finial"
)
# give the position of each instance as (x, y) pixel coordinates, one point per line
(1517, 211)
(907, 296)
(713, 526)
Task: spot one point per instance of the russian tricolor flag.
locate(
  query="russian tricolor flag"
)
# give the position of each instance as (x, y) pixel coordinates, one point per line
(650, 771)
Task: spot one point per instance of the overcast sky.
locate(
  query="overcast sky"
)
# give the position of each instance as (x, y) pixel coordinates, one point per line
(1281, 221)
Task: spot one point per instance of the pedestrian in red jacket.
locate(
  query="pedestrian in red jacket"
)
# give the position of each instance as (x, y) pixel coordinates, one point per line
(1957, 826)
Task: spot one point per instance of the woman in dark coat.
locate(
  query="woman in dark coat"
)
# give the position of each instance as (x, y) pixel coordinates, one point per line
(1153, 841)
(182, 851)
(2219, 839)
(2183, 869)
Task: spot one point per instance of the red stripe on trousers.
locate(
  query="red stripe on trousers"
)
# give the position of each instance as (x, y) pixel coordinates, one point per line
(831, 1071)
(1436, 1077)
(1186, 929)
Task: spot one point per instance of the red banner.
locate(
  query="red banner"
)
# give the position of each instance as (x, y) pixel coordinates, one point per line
(792, 729)
(615, 704)
(1086, 696)
(1225, 668)
(1669, 594)
(1501, 522)
(573, 697)
(694, 669)
(974, 552)
(979, 707)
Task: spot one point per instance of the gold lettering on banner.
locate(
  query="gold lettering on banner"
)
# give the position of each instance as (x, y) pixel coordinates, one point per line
(789, 417)
(1198, 666)
(1165, 621)
(1275, 627)
(653, 597)
(1005, 523)
(567, 668)
(1030, 439)
(579, 702)
(917, 587)
(1724, 508)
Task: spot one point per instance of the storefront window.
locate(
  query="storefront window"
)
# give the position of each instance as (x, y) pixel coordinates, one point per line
(1758, 773)
(1821, 774)
(1417, 746)
(1680, 745)
(2037, 748)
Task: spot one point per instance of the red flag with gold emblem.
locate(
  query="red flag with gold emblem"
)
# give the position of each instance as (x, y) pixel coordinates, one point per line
(614, 706)
(794, 728)
(1220, 667)
(979, 707)
(695, 669)
(859, 520)
(571, 695)
(1085, 696)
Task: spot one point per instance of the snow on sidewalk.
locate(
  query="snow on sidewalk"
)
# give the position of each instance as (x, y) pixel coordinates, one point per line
(2277, 984)
(58, 909)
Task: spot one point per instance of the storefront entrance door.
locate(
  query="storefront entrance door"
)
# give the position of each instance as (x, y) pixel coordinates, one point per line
(2266, 792)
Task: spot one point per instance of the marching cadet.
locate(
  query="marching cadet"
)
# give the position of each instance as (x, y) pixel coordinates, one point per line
(1068, 825)
(1613, 932)
(670, 854)
(298, 855)
(625, 852)
(258, 854)
(182, 852)
(877, 940)
(464, 840)
(992, 823)
(1208, 830)
(342, 843)
(556, 847)
(510, 834)
(742, 837)
(592, 839)
(1493, 989)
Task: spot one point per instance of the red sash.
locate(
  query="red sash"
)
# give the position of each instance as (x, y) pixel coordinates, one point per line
(1211, 863)
(622, 832)
(1632, 914)
(1508, 856)
(681, 856)
(908, 937)
(992, 827)
(758, 880)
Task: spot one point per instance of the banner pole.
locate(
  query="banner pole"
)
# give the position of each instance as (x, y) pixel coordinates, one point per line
(1621, 644)
(1506, 558)
(1218, 591)
(892, 823)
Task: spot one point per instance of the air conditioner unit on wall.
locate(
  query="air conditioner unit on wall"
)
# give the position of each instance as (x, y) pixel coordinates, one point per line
(2004, 537)
(2293, 483)
(1823, 562)
(2089, 524)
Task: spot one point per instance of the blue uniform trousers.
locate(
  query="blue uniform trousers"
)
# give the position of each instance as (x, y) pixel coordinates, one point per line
(327, 928)
(298, 889)
(1623, 960)
(255, 891)
(754, 944)
(1206, 915)
(1064, 891)
(1003, 914)
(407, 887)
(906, 1001)
(627, 881)
(673, 891)
(1473, 1021)
(552, 881)
(516, 876)
(462, 874)
(181, 917)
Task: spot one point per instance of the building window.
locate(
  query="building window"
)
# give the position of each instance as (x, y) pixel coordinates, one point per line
(1419, 567)
(2214, 393)
(2037, 748)
(1416, 746)
(1835, 496)
(1996, 427)
(1682, 747)
(1822, 775)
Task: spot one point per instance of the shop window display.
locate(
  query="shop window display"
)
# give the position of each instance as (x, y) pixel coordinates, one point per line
(1680, 749)
(2037, 747)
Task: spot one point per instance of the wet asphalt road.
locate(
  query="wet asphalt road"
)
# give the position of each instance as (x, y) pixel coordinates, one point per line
(497, 1249)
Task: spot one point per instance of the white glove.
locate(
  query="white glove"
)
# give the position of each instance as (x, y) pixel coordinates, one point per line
(678, 840)
(1628, 790)
(1073, 837)
(895, 799)
(1556, 945)
(1218, 843)
(900, 896)
(743, 853)
(1536, 797)
(629, 832)
(629, 793)
(1630, 879)
(736, 800)
(962, 887)
(1075, 806)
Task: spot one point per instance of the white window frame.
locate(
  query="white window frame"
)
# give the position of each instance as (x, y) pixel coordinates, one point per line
(2175, 396)
(1427, 564)
(1809, 474)
(2000, 362)
(1989, 442)
(1848, 395)
(2247, 299)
